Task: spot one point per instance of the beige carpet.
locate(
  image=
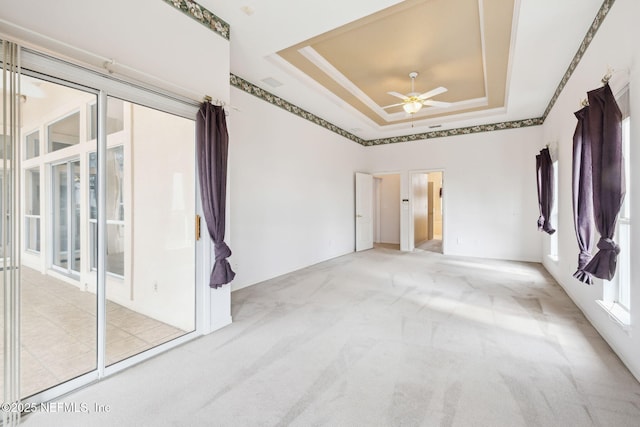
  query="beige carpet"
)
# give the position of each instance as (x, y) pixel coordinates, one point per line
(434, 245)
(381, 338)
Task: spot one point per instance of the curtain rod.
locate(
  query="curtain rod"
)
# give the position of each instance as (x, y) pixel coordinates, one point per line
(605, 80)
(47, 45)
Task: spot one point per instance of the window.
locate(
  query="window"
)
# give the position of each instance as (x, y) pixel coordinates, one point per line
(553, 239)
(32, 145)
(64, 133)
(32, 210)
(617, 292)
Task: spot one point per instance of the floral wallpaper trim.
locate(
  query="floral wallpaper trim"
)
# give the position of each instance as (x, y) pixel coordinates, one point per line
(202, 15)
(244, 85)
(586, 41)
(516, 124)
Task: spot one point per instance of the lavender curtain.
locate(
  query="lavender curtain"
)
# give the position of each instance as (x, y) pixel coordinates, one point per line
(212, 141)
(605, 132)
(544, 172)
(582, 194)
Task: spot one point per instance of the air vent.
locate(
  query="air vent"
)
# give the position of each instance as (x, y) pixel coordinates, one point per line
(272, 82)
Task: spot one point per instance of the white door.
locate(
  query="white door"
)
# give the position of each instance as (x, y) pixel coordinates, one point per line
(364, 211)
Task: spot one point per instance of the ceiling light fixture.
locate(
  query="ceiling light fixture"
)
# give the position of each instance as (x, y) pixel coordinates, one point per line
(413, 101)
(412, 106)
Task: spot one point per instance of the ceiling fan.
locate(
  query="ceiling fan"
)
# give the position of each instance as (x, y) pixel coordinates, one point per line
(413, 101)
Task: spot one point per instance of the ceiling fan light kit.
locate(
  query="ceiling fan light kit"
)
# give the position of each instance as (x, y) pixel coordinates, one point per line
(412, 106)
(413, 102)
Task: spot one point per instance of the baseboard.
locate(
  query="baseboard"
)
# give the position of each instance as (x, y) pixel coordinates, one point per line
(596, 325)
(220, 323)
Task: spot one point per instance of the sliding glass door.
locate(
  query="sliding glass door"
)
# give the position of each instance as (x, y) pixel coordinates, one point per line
(99, 248)
(150, 218)
(58, 319)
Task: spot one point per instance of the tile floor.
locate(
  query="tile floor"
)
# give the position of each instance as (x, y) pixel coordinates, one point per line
(59, 332)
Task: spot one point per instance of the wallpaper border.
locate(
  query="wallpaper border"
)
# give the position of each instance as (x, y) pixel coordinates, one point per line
(267, 96)
(202, 15)
(257, 91)
(586, 41)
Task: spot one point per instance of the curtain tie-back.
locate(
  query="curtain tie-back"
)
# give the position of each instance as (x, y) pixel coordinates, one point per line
(583, 259)
(222, 272)
(608, 245)
(222, 250)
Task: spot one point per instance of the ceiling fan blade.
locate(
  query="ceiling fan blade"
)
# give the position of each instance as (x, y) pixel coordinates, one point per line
(393, 105)
(398, 95)
(433, 92)
(432, 103)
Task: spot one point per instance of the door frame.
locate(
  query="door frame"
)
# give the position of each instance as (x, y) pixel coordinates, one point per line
(410, 228)
(376, 198)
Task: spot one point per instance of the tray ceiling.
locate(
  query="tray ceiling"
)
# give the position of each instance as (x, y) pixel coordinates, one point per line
(462, 45)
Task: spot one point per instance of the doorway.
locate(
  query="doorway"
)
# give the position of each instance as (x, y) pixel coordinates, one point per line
(426, 222)
(386, 212)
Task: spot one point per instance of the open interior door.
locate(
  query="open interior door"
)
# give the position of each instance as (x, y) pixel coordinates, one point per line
(364, 211)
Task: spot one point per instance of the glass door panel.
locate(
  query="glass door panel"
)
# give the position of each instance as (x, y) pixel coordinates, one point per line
(150, 237)
(147, 305)
(59, 304)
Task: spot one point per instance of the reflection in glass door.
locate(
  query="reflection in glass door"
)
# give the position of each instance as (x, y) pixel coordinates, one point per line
(143, 273)
(66, 216)
(58, 317)
(150, 256)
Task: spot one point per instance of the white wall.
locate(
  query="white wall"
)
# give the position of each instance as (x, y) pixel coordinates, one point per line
(389, 208)
(291, 191)
(614, 46)
(490, 202)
